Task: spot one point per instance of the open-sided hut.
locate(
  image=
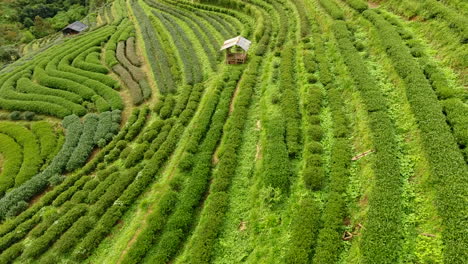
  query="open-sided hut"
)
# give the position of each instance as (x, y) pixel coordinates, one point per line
(234, 56)
(74, 28)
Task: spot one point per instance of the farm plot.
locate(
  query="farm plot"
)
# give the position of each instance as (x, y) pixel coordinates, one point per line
(342, 139)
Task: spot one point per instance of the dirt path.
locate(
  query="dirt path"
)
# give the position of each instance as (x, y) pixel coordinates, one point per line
(373, 4)
(215, 159)
(1, 163)
(127, 100)
(135, 236)
(233, 99)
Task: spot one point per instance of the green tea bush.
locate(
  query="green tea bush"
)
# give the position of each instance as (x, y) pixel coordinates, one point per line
(136, 155)
(304, 226)
(85, 146)
(133, 87)
(32, 160)
(47, 138)
(130, 52)
(12, 154)
(332, 9)
(42, 243)
(359, 5)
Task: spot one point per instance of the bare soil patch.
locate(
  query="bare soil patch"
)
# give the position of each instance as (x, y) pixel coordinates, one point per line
(373, 4)
(135, 236)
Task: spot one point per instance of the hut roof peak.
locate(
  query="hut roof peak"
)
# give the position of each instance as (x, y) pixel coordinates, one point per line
(237, 41)
(77, 26)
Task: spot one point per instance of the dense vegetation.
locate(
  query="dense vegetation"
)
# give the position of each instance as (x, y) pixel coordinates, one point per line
(342, 139)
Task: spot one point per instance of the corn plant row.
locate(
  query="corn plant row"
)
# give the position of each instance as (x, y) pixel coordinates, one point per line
(447, 165)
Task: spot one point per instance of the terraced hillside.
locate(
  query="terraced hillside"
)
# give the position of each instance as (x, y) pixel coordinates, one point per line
(343, 139)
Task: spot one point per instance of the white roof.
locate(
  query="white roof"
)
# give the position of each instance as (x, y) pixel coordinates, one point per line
(239, 41)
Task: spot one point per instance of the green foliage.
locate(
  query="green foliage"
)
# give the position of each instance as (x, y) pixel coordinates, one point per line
(137, 73)
(290, 102)
(39, 182)
(30, 150)
(47, 138)
(133, 87)
(157, 58)
(359, 5)
(385, 209)
(276, 167)
(12, 154)
(305, 222)
(130, 52)
(42, 243)
(200, 247)
(332, 9)
(136, 155)
(86, 143)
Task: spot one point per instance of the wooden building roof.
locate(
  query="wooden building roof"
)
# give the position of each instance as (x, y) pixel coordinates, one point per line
(237, 41)
(76, 26)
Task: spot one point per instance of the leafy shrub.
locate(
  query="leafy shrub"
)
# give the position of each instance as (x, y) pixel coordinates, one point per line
(359, 5)
(332, 9)
(305, 222)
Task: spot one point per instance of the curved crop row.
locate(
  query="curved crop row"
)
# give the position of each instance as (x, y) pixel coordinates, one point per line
(448, 168)
(31, 152)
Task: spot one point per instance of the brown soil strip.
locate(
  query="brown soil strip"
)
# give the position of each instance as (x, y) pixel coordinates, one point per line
(36, 198)
(373, 4)
(259, 155)
(236, 92)
(135, 236)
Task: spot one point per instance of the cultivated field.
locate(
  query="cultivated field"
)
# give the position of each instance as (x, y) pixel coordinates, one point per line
(342, 139)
